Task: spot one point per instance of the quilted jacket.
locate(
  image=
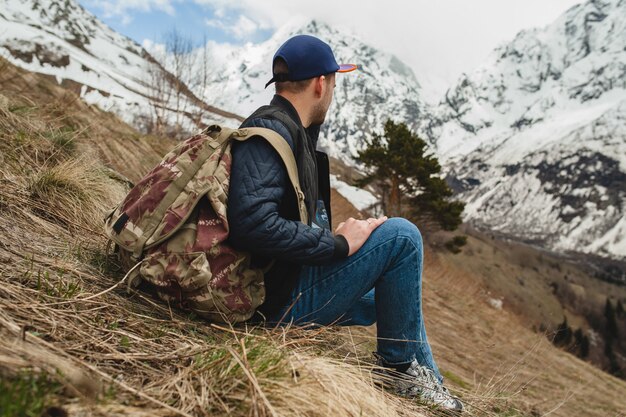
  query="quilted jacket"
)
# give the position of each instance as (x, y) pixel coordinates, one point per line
(262, 206)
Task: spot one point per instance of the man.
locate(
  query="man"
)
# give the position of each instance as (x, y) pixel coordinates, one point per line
(367, 271)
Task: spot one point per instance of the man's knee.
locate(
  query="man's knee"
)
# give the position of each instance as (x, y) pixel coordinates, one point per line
(404, 228)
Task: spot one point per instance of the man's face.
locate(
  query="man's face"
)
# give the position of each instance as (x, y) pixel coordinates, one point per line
(320, 110)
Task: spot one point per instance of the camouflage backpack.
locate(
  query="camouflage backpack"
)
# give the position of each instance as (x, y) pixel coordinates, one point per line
(171, 228)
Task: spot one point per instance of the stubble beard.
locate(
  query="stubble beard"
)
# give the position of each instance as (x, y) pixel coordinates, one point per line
(319, 114)
(320, 110)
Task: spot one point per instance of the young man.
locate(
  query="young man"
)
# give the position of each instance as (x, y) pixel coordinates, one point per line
(367, 271)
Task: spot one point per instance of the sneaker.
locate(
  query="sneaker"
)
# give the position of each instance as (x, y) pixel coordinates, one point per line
(418, 382)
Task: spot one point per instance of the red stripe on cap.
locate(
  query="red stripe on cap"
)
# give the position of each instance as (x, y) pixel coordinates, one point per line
(347, 67)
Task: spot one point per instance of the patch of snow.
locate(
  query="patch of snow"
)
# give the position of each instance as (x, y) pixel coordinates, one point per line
(361, 199)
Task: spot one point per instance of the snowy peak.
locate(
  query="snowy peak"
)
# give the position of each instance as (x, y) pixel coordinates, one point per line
(588, 40)
(61, 39)
(535, 138)
(41, 26)
(593, 27)
(383, 87)
(67, 20)
(348, 48)
(579, 57)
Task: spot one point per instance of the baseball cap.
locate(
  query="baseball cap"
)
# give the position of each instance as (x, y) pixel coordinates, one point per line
(307, 57)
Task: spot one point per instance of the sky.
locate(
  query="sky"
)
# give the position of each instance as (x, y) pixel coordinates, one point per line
(439, 39)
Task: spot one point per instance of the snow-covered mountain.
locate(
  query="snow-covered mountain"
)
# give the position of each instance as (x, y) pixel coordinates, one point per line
(61, 39)
(535, 139)
(382, 88)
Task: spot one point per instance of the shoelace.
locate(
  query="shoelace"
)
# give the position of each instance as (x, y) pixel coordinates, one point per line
(429, 386)
(422, 382)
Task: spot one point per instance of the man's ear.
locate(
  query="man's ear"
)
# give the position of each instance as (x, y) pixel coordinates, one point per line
(319, 85)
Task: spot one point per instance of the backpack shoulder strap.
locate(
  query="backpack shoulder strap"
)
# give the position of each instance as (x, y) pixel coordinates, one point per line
(276, 113)
(284, 150)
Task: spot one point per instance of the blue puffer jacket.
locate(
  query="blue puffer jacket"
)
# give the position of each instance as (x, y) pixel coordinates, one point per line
(262, 206)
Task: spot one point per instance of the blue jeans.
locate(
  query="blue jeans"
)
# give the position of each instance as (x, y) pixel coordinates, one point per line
(381, 282)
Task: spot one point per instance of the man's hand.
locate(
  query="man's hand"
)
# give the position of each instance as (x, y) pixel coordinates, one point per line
(357, 232)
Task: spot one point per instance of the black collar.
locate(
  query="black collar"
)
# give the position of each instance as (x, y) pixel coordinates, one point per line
(312, 131)
(286, 105)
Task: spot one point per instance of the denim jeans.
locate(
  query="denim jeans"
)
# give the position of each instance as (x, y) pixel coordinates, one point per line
(381, 282)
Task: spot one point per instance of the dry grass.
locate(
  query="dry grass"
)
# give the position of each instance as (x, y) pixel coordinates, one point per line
(73, 192)
(541, 288)
(504, 364)
(70, 329)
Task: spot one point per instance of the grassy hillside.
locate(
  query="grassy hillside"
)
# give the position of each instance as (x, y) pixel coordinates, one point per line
(74, 342)
(544, 289)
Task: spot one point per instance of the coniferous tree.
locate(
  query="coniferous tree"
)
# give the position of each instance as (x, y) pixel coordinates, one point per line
(619, 309)
(400, 163)
(563, 334)
(582, 342)
(614, 367)
(611, 322)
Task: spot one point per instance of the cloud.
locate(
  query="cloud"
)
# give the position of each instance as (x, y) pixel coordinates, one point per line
(155, 48)
(225, 8)
(438, 39)
(227, 16)
(441, 38)
(242, 28)
(122, 8)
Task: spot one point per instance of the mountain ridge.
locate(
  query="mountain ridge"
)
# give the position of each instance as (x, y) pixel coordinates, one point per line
(382, 87)
(533, 140)
(63, 40)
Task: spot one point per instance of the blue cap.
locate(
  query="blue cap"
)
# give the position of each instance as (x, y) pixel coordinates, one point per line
(307, 57)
